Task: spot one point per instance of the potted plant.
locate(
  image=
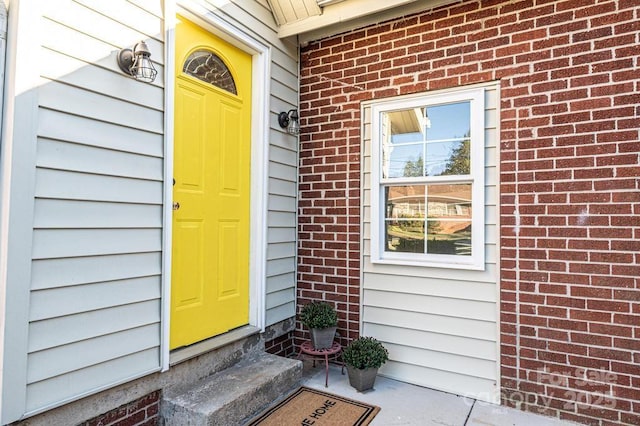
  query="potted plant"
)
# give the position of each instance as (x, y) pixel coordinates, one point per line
(322, 320)
(363, 357)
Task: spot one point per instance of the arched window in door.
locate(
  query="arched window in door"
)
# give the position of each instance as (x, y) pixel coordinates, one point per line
(210, 68)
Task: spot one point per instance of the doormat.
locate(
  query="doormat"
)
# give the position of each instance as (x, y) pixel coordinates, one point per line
(308, 406)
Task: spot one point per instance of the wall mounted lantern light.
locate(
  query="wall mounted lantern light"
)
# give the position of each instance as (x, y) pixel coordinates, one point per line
(290, 121)
(136, 63)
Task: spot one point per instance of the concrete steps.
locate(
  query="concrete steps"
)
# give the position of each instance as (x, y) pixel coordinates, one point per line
(234, 395)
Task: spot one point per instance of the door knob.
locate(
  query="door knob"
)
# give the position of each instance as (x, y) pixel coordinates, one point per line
(176, 205)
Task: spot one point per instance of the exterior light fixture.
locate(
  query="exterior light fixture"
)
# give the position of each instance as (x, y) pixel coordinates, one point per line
(136, 63)
(290, 121)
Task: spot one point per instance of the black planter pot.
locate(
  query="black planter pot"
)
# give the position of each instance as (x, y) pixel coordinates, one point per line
(362, 380)
(322, 338)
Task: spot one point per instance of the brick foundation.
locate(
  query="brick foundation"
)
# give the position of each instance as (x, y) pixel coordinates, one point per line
(282, 346)
(143, 412)
(569, 182)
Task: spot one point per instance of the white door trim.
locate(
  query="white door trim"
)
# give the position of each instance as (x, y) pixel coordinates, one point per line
(261, 58)
(17, 198)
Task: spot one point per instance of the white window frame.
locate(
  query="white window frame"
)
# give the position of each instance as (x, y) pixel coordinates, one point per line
(475, 97)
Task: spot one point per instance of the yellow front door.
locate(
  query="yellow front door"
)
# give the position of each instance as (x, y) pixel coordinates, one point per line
(211, 192)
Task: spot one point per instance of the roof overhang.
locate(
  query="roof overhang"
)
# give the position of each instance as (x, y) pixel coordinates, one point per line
(315, 19)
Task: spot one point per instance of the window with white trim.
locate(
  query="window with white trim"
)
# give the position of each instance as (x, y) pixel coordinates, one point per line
(428, 180)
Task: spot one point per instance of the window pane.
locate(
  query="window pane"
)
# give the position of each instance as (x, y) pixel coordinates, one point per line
(405, 236)
(439, 214)
(448, 158)
(403, 144)
(449, 200)
(404, 161)
(449, 121)
(449, 219)
(409, 122)
(448, 237)
(427, 141)
(405, 202)
(404, 221)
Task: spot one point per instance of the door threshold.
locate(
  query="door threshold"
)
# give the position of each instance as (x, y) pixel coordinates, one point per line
(179, 355)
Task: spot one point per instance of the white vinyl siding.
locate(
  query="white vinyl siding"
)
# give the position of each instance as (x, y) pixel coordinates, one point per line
(99, 172)
(93, 299)
(84, 281)
(439, 324)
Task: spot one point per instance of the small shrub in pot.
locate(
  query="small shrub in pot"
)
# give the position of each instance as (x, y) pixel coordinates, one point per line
(318, 314)
(321, 319)
(363, 357)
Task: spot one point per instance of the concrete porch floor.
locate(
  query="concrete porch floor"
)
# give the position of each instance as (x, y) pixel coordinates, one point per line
(406, 404)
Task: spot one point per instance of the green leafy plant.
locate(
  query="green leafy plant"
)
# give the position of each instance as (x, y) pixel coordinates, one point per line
(318, 314)
(365, 352)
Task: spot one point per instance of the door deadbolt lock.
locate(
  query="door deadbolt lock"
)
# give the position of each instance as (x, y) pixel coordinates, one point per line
(176, 205)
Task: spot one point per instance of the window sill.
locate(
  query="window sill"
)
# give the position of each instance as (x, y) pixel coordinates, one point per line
(472, 265)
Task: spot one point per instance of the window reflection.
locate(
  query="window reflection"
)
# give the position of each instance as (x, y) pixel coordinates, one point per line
(449, 219)
(437, 214)
(426, 141)
(405, 218)
(406, 202)
(449, 121)
(448, 158)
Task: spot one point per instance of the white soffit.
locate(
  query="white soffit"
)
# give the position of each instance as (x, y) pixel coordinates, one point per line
(338, 12)
(290, 11)
(342, 15)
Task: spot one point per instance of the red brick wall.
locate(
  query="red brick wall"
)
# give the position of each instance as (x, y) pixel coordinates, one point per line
(143, 412)
(570, 182)
(282, 346)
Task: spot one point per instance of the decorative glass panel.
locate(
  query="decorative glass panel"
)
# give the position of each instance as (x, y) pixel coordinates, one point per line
(208, 67)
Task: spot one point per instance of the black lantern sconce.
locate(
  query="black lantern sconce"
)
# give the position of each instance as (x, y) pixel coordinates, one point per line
(136, 63)
(290, 121)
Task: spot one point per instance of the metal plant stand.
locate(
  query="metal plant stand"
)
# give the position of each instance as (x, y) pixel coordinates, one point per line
(334, 351)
